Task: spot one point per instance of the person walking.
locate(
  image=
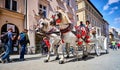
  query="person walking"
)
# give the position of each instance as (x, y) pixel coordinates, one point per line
(23, 40)
(82, 28)
(8, 46)
(114, 45)
(81, 24)
(118, 45)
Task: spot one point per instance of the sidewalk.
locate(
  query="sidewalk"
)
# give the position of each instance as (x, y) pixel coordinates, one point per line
(15, 58)
(26, 56)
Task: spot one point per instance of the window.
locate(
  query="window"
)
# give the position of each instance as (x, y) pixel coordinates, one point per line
(98, 32)
(77, 18)
(11, 5)
(87, 16)
(14, 5)
(68, 2)
(43, 9)
(7, 4)
(76, 8)
(87, 6)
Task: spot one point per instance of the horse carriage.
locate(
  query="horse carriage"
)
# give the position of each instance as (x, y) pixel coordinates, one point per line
(65, 33)
(98, 42)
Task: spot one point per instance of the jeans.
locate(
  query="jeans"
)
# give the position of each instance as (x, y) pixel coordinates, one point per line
(7, 52)
(22, 51)
(114, 47)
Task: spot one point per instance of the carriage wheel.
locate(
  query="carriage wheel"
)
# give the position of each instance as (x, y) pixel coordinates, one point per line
(85, 52)
(97, 49)
(107, 51)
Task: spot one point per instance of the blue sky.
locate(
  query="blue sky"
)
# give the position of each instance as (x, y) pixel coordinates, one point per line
(110, 9)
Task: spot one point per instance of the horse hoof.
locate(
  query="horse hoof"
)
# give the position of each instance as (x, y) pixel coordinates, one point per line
(61, 62)
(107, 52)
(84, 57)
(45, 61)
(68, 56)
(57, 58)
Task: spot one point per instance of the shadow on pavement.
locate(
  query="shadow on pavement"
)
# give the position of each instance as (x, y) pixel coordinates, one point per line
(80, 59)
(102, 53)
(26, 59)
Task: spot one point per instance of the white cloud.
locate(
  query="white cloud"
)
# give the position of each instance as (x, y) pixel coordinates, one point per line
(113, 10)
(117, 20)
(106, 7)
(112, 1)
(109, 3)
(117, 29)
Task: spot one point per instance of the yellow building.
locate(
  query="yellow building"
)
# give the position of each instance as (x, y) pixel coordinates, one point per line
(87, 11)
(12, 15)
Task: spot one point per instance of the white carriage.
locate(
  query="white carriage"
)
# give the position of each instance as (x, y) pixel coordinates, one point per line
(98, 42)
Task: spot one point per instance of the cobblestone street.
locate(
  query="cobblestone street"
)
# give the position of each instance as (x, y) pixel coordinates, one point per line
(109, 61)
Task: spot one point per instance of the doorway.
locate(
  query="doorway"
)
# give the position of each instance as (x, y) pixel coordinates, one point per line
(4, 29)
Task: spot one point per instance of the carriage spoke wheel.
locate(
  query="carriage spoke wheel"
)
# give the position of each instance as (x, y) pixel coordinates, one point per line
(97, 49)
(85, 53)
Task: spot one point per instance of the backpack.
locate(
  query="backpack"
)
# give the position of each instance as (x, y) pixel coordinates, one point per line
(4, 38)
(22, 39)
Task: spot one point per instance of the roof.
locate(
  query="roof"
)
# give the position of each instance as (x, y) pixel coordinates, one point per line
(95, 7)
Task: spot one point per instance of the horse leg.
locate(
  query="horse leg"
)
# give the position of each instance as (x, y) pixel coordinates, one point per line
(50, 49)
(55, 49)
(48, 56)
(62, 47)
(67, 49)
(75, 48)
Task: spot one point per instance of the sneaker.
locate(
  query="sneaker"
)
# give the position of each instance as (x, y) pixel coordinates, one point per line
(22, 59)
(2, 61)
(2, 54)
(8, 61)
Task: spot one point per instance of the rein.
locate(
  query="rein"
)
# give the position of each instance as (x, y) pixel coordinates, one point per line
(52, 31)
(66, 29)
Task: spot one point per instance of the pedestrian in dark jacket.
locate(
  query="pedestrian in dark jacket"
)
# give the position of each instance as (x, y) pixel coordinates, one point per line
(23, 40)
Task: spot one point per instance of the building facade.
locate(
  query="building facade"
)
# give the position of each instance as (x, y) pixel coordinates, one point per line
(113, 35)
(87, 11)
(105, 28)
(12, 14)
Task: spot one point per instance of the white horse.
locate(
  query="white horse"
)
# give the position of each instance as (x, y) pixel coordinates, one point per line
(51, 32)
(67, 35)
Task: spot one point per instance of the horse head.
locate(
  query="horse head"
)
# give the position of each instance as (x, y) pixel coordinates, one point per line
(42, 25)
(56, 18)
(61, 17)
